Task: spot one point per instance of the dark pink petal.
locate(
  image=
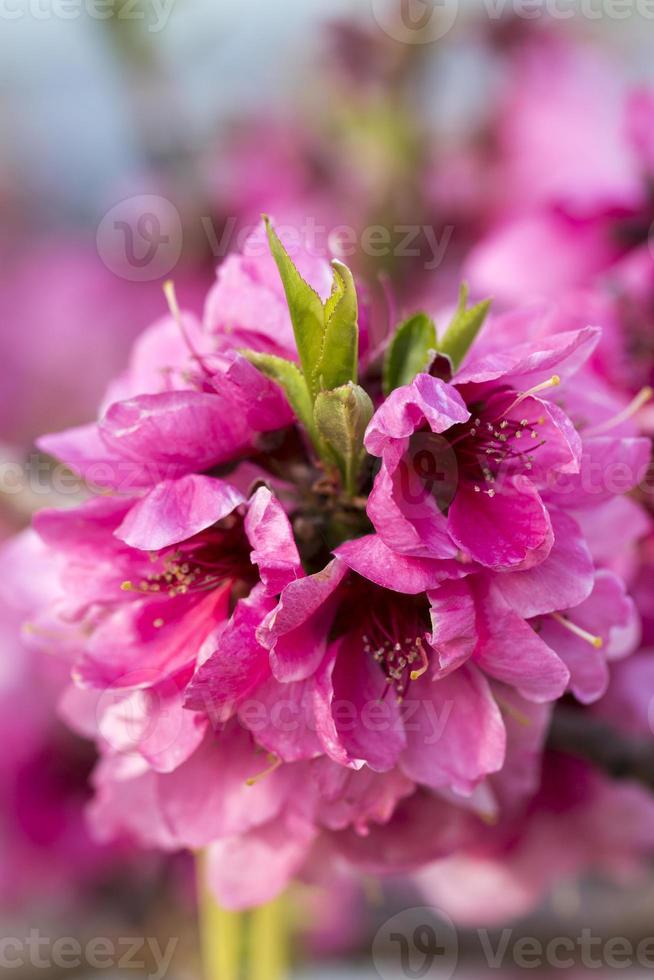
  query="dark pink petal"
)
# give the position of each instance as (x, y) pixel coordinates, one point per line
(455, 732)
(144, 641)
(372, 559)
(238, 664)
(512, 652)
(261, 401)
(565, 578)
(407, 517)
(501, 531)
(454, 623)
(176, 510)
(296, 631)
(359, 719)
(426, 399)
(274, 550)
(356, 797)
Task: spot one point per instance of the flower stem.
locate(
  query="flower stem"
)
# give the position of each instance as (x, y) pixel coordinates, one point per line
(239, 945)
(269, 942)
(221, 934)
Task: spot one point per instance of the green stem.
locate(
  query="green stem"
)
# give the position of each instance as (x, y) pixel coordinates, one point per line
(221, 933)
(269, 953)
(236, 945)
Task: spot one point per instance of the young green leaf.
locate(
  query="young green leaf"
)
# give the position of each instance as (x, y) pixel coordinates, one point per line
(342, 416)
(340, 350)
(463, 329)
(289, 377)
(411, 351)
(305, 307)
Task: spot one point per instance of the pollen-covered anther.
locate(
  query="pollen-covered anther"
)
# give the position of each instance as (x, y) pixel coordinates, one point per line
(552, 382)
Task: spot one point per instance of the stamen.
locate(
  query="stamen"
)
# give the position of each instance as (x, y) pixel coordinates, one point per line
(175, 312)
(634, 406)
(275, 763)
(424, 666)
(595, 641)
(552, 382)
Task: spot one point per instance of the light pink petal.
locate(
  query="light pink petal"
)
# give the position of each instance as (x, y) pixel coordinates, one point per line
(455, 735)
(610, 466)
(211, 795)
(524, 365)
(565, 578)
(176, 510)
(254, 868)
(609, 614)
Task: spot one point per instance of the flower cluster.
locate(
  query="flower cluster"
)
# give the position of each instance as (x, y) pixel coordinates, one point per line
(327, 598)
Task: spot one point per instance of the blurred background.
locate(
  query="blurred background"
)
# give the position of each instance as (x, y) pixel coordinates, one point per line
(139, 141)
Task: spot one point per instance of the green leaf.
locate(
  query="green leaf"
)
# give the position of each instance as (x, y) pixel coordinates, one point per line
(342, 416)
(305, 307)
(411, 351)
(463, 329)
(340, 350)
(289, 377)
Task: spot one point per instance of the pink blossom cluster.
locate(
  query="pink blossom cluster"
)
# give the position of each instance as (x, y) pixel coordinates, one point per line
(322, 609)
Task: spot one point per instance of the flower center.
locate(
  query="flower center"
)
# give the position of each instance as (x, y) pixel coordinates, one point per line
(199, 565)
(398, 646)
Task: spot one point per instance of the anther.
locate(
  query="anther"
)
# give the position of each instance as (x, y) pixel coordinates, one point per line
(595, 641)
(275, 763)
(552, 382)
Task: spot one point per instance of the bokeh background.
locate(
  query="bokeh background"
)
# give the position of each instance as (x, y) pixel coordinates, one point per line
(138, 142)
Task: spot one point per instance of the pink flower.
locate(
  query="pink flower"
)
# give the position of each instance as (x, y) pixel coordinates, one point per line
(479, 465)
(189, 401)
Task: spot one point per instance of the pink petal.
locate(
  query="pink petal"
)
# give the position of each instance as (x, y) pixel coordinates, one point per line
(455, 736)
(372, 559)
(273, 546)
(176, 510)
(502, 530)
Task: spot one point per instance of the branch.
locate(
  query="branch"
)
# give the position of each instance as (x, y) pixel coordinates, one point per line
(619, 755)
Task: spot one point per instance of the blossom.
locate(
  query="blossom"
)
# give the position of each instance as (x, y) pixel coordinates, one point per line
(480, 464)
(284, 651)
(189, 401)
